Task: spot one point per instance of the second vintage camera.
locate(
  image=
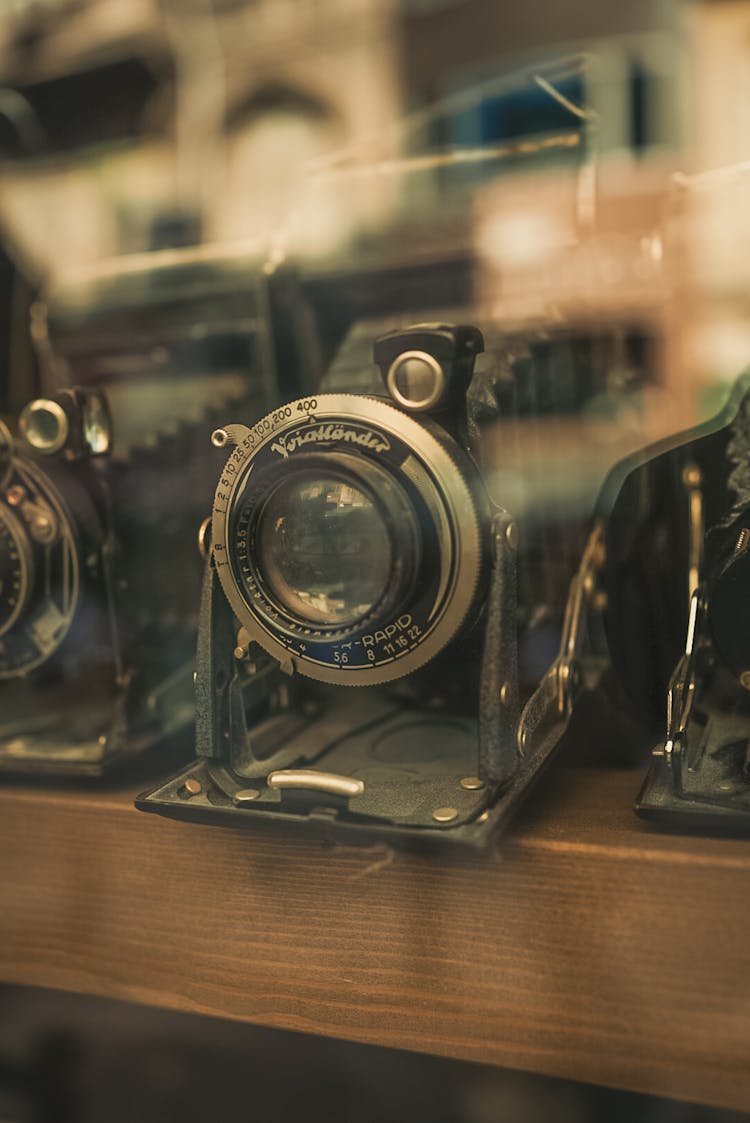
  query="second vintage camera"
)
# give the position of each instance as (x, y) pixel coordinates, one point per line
(676, 581)
(104, 487)
(662, 603)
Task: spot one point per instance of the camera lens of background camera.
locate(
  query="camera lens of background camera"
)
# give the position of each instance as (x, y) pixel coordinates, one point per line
(325, 549)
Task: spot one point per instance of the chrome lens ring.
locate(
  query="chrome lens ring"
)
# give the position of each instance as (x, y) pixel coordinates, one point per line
(362, 439)
(41, 557)
(16, 569)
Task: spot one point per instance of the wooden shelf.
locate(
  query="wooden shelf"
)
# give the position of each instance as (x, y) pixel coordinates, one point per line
(585, 945)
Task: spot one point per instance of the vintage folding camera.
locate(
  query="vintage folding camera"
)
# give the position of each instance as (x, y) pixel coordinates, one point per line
(102, 647)
(95, 661)
(677, 622)
(97, 566)
(358, 665)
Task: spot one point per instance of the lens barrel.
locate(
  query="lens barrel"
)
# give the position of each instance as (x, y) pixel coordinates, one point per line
(350, 538)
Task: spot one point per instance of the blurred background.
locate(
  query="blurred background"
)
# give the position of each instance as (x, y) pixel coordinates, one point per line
(578, 169)
(238, 189)
(70, 1059)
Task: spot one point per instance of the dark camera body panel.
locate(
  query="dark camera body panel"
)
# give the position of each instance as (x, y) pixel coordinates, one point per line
(676, 536)
(647, 546)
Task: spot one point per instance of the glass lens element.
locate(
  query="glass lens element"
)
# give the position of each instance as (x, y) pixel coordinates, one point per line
(324, 550)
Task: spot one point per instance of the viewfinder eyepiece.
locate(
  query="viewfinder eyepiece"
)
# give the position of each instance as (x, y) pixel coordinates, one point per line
(44, 425)
(416, 380)
(428, 366)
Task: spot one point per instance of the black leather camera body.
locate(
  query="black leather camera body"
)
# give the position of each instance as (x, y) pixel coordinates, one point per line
(678, 616)
(669, 668)
(358, 666)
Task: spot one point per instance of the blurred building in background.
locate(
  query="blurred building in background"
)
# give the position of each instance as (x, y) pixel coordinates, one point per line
(586, 161)
(133, 126)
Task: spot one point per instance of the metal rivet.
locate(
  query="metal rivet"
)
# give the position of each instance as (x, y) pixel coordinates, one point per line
(239, 652)
(42, 529)
(193, 786)
(691, 475)
(472, 784)
(483, 817)
(504, 692)
(511, 535)
(219, 438)
(444, 814)
(245, 795)
(745, 680)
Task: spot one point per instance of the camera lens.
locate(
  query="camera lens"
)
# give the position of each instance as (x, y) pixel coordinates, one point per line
(325, 550)
(349, 537)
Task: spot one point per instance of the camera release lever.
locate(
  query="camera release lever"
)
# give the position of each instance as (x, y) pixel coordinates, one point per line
(307, 779)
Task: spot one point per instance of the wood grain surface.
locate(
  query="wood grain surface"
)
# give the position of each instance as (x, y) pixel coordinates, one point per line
(584, 945)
